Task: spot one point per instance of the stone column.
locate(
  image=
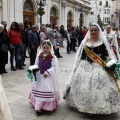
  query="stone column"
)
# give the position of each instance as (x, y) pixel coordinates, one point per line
(5, 10)
(74, 19)
(18, 13)
(77, 17)
(60, 14)
(65, 18)
(64, 14)
(11, 11)
(1, 15)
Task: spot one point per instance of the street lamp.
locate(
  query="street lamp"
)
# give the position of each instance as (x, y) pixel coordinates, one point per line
(41, 4)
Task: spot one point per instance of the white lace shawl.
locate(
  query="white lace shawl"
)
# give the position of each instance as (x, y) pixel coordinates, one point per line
(80, 50)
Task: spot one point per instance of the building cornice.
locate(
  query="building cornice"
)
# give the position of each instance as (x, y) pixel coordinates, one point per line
(84, 3)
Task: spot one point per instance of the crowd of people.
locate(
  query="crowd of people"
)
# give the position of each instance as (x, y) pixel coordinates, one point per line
(91, 88)
(18, 39)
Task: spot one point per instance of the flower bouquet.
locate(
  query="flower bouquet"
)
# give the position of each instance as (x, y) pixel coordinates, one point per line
(114, 65)
(32, 72)
(110, 65)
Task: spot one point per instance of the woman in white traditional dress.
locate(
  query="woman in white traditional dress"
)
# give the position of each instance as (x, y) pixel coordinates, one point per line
(44, 95)
(90, 89)
(5, 113)
(112, 40)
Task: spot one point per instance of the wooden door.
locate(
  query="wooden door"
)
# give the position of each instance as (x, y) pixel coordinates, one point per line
(69, 23)
(28, 18)
(53, 20)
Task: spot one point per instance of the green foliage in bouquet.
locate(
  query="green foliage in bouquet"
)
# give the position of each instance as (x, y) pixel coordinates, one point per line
(114, 66)
(31, 72)
(41, 12)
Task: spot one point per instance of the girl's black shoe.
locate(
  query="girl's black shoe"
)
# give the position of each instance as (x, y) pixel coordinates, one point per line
(39, 113)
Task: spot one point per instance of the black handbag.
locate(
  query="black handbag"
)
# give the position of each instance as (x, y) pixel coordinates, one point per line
(4, 47)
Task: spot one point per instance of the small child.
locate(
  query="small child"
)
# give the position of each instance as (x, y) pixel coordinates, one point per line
(44, 95)
(68, 41)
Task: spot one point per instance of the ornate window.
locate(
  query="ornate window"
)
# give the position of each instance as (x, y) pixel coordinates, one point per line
(53, 11)
(106, 3)
(108, 11)
(69, 15)
(28, 6)
(100, 3)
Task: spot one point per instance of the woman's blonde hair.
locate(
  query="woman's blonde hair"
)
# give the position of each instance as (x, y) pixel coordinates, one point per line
(43, 27)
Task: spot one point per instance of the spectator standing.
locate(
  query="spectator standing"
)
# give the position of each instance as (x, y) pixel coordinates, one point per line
(68, 41)
(4, 43)
(15, 38)
(38, 35)
(24, 43)
(73, 39)
(27, 46)
(80, 36)
(117, 32)
(84, 30)
(51, 35)
(58, 39)
(33, 43)
(62, 32)
(43, 35)
(4, 23)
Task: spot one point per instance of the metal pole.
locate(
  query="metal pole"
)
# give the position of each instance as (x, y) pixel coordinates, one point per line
(40, 20)
(40, 16)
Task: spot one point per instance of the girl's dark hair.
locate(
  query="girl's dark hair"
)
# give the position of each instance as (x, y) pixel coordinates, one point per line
(95, 26)
(46, 42)
(17, 28)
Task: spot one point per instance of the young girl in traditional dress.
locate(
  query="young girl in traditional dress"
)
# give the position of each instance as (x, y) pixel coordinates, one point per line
(44, 95)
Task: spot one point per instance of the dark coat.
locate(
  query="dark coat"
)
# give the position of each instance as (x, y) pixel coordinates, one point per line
(80, 35)
(3, 55)
(33, 39)
(62, 31)
(24, 34)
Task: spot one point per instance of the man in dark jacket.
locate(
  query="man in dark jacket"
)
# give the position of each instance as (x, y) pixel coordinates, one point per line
(80, 36)
(62, 32)
(24, 43)
(73, 39)
(33, 43)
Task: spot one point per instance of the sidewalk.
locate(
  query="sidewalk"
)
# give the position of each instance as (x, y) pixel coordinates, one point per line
(17, 87)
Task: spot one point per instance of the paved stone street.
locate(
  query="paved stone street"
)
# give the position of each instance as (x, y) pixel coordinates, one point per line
(17, 86)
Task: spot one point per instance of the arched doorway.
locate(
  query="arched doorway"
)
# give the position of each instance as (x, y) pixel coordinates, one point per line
(69, 20)
(53, 16)
(28, 13)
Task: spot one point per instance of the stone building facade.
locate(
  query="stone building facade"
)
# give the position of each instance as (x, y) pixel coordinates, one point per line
(61, 12)
(107, 10)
